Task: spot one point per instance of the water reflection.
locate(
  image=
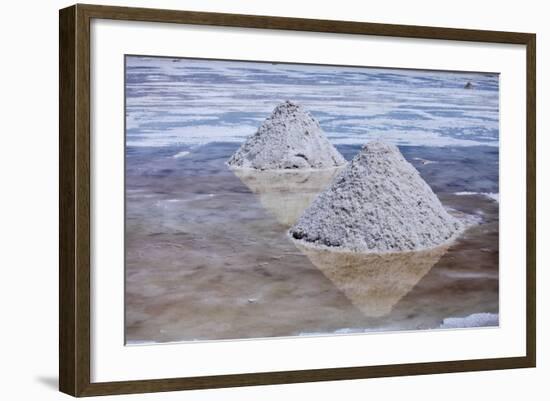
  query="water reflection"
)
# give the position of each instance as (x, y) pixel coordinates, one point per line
(374, 283)
(286, 194)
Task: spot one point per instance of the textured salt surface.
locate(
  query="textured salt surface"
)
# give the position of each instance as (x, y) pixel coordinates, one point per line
(379, 203)
(490, 195)
(475, 320)
(289, 139)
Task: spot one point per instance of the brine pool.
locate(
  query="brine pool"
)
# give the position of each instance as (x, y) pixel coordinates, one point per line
(208, 258)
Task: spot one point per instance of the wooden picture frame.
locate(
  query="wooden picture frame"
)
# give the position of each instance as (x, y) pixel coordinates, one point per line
(74, 199)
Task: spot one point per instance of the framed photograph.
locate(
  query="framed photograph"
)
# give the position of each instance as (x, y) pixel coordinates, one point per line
(250, 200)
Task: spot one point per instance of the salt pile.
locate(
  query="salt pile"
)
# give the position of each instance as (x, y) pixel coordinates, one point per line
(289, 139)
(379, 203)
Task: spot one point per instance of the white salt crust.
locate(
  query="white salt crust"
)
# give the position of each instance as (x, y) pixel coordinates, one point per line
(475, 320)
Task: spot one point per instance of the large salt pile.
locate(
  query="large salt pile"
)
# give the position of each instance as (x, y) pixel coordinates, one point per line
(379, 203)
(289, 139)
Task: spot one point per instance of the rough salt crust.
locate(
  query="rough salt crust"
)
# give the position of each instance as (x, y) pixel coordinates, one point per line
(379, 203)
(289, 139)
(475, 320)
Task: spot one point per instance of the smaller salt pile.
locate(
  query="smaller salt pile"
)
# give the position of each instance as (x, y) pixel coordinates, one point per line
(289, 139)
(378, 204)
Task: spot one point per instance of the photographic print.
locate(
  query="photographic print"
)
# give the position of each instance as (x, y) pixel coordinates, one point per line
(268, 199)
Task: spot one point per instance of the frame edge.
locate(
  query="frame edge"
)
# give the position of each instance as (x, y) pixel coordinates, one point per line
(531, 200)
(301, 24)
(67, 268)
(74, 201)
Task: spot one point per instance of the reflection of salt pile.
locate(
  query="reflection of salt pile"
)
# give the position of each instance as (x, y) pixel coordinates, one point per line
(374, 283)
(289, 139)
(286, 193)
(379, 203)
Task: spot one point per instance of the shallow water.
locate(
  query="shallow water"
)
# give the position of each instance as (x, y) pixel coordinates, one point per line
(208, 258)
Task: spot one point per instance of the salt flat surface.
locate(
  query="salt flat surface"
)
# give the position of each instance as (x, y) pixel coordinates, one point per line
(207, 251)
(183, 101)
(474, 320)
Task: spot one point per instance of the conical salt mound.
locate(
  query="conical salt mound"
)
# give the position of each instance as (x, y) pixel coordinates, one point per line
(379, 203)
(289, 139)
